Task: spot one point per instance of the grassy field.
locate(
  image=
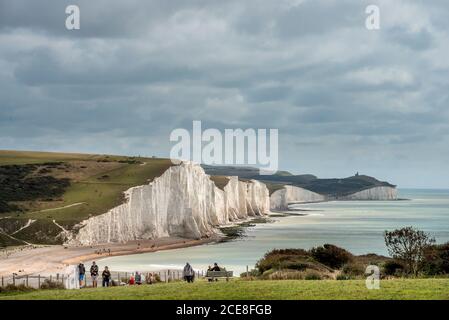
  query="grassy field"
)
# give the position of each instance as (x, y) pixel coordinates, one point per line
(399, 289)
(97, 183)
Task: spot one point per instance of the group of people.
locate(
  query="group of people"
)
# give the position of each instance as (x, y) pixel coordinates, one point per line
(94, 271)
(137, 278)
(103, 251)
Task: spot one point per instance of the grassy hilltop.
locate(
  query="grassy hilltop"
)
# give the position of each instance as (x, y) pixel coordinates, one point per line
(64, 187)
(42, 193)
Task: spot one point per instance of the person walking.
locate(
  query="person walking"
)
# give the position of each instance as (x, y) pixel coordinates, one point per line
(81, 274)
(188, 273)
(106, 276)
(94, 274)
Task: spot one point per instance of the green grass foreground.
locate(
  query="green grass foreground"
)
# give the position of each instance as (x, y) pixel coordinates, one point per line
(399, 289)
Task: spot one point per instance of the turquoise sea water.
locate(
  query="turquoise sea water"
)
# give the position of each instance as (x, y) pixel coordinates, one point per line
(354, 225)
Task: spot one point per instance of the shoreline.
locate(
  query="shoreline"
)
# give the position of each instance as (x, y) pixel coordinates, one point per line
(53, 259)
(125, 251)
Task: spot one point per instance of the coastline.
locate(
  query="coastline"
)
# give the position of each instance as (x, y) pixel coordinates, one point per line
(46, 260)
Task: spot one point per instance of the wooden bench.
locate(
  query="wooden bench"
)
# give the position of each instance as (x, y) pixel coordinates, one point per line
(213, 275)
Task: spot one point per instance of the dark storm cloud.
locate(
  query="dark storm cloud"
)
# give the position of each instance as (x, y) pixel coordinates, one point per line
(343, 98)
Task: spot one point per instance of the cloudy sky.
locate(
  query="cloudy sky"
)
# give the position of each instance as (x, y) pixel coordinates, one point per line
(344, 98)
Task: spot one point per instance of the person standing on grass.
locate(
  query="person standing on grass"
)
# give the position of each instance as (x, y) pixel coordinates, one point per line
(106, 276)
(188, 273)
(94, 274)
(132, 280)
(138, 278)
(81, 274)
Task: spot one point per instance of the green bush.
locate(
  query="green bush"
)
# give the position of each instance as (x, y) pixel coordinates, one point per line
(353, 269)
(50, 285)
(10, 288)
(393, 268)
(283, 259)
(436, 260)
(312, 275)
(344, 277)
(331, 256)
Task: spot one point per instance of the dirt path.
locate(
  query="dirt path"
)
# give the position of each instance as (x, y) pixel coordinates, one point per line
(14, 238)
(58, 208)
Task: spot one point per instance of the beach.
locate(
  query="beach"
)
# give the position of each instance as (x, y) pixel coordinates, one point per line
(47, 260)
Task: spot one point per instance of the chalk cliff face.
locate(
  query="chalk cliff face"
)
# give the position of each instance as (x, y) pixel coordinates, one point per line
(376, 193)
(183, 201)
(280, 199)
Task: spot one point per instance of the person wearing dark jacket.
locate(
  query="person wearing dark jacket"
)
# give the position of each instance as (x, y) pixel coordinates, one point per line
(188, 273)
(81, 274)
(106, 276)
(94, 274)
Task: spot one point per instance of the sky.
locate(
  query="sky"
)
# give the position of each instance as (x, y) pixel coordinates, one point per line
(345, 99)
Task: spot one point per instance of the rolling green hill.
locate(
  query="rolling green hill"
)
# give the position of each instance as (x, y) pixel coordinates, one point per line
(53, 190)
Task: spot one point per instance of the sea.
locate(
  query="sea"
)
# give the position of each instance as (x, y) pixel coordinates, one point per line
(357, 226)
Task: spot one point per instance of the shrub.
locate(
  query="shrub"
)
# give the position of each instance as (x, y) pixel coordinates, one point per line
(283, 259)
(331, 256)
(50, 285)
(344, 277)
(251, 273)
(293, 275)
(408, 245)
(312, 275)
(285, 275)
(436, 260)
(353, 269)
(10, 288)
(393, 268)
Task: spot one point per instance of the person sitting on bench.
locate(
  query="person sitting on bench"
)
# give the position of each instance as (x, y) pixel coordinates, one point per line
(215, 268)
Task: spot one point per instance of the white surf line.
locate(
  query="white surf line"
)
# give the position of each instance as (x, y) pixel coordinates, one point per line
(30, 221)
(65, 207)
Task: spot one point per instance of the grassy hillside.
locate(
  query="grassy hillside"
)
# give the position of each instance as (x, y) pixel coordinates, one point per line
(41, 187)
(399, 289)
(330, 187)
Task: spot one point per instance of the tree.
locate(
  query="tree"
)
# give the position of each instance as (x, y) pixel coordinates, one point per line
(408, 245)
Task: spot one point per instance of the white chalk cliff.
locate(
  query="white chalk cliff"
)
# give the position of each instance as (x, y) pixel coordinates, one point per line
(183, 202)
(280, 199)
(375, 193)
